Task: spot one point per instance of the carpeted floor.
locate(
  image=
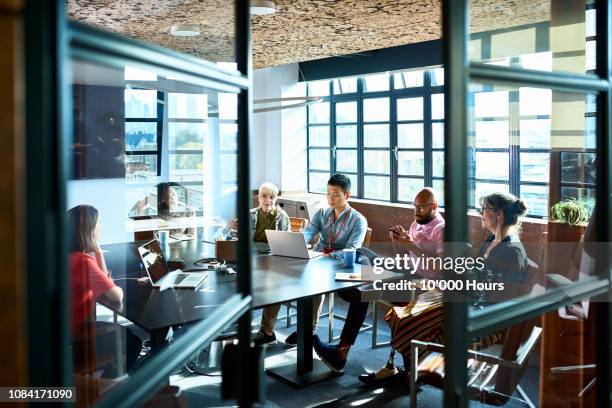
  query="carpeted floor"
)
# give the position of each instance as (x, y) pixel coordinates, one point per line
(340, 391)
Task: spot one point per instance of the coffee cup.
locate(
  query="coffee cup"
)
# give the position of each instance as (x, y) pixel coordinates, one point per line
(349, 257)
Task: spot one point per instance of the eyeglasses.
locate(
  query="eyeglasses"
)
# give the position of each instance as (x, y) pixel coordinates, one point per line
(484, 208)
(422, 207)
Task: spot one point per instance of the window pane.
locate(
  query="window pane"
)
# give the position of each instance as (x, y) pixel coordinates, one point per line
(437, 135)
(318, 113)
(410, 109)
(345, 85)
(189, 167)
(437, 76)
(411, 163)
(376, 110)
(346, 112)
(590, 132)
(536, 199)
(483, 189)
(318, 88)
(577, 167)
(542, 61)
(140, 103)
(229, 167)
(437, 106)
(134, 199)
(590, 23)
(586, 195)
(437, 164)
(346, 136)
(492, 133)
(535, 167)
(346, 161)
(535, 133)
(376, 135)
(353, 178)
(318, 159)
(318, 135)
(187, 106)
(192, 196)
(535, 101)
(491, 104)
(317, 182)
(410, 135)
(229, 136)
(186, 136)
(590, 52)
(407, 188)
(408, 79)
(376, 187)
(375, 83)
(438, 186)
(140, 168)
(492, 166)
(228, 106)
(141, 136)
(375, 161)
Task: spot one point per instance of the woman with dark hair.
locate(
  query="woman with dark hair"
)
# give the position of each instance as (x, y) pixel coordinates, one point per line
(504, 256)
(90, 280)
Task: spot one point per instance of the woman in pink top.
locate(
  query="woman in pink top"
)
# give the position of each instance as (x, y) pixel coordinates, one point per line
(90, 280)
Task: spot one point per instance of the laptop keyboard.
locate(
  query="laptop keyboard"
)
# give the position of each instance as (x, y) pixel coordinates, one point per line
(180, 277)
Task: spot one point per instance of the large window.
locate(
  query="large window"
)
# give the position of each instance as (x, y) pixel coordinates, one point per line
(384, 131)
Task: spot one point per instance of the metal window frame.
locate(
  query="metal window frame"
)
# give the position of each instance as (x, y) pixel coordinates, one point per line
(50, 44)
(425, 92)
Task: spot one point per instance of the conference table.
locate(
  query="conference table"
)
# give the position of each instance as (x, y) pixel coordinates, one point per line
(275, 279)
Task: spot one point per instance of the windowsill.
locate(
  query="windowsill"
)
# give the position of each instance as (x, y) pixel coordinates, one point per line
(471, 212)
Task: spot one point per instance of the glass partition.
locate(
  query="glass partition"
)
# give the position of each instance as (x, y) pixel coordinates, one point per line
(202, 29)
(546, 36)
(150, 197)
(531, 185)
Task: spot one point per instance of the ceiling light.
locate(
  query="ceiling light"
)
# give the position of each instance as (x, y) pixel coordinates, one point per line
(262, 7)
(185, 30)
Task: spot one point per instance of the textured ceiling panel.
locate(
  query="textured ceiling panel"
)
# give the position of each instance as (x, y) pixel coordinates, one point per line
(300, 30)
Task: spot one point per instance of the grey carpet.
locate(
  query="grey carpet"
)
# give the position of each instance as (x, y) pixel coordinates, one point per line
(340, 391)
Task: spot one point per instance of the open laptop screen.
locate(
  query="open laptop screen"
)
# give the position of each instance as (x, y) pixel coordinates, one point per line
(153, 260)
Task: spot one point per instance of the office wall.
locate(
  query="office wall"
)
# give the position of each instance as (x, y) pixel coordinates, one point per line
(108, 196)
(279, 137)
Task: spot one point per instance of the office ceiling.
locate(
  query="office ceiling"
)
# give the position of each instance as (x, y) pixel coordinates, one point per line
(300, 30)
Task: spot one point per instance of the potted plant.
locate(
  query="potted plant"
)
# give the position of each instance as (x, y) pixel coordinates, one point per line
(570, 211)
(566, 226)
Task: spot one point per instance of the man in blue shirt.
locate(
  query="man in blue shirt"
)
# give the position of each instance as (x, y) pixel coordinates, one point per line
(339, 227)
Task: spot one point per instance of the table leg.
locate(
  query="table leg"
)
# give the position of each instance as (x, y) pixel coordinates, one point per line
(304, 330)
(308, 371)
(158, 338)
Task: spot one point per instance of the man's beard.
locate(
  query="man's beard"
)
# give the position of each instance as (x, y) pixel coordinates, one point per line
(426, 219)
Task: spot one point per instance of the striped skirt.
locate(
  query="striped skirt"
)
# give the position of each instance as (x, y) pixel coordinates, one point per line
(422, 319)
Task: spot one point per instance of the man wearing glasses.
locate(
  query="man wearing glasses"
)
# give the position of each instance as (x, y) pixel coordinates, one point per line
(426, 233)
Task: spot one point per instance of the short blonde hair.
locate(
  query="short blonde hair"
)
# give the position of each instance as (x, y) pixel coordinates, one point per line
(268, 188)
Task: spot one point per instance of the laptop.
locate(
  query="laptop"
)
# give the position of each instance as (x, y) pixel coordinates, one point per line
(291, 244)
(155, 264)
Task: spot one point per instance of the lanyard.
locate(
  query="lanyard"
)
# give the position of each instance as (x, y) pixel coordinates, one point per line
(335, 236)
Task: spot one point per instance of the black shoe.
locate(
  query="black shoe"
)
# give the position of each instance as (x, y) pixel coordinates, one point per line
(291, 339)
(329, 355)
(383, 376)
(262, 339)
